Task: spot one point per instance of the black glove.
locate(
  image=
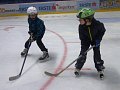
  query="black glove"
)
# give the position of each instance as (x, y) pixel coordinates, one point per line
(32, 38)
(30, 33)
(97, 43)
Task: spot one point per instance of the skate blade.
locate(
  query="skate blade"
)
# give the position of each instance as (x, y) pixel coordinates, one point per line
(101, 77)
(44, 60)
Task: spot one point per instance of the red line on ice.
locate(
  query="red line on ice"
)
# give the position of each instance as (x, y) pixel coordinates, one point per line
(49, 81)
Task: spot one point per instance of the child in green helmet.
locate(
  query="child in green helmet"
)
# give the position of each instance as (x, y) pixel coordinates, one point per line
(91, 33)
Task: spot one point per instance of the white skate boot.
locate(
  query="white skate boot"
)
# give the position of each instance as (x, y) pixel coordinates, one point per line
(101, 74)
(77, 72)
(44, 56)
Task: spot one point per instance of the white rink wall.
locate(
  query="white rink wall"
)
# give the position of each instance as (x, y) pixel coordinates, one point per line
(58, 7)
(112, 14)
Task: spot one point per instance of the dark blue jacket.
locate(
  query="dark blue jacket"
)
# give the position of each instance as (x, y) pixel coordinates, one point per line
(89, 34)
(36, 27)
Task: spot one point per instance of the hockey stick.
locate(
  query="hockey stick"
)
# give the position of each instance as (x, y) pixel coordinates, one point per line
(51, 74)
(17, 76)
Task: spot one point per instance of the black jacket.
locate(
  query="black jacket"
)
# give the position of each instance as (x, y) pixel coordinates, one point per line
(36, 27)
(89, 34)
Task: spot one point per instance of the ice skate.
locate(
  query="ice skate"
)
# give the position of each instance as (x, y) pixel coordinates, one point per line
(44, 57)
(24, 52)
(77, 72)
(101, 74)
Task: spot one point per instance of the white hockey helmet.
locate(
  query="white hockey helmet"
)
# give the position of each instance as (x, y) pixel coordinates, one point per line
(32, 10)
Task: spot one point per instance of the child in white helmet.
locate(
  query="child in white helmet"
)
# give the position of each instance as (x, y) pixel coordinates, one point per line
(36, 31)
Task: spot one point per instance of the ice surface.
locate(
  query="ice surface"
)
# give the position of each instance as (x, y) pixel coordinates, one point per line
(61, 39)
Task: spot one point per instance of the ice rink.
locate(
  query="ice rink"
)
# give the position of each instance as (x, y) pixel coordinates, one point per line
(61, 39)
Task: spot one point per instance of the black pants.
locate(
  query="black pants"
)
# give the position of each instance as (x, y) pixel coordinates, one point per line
(39, 43)
(97, 58)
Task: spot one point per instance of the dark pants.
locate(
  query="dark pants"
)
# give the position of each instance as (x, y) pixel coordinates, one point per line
(39, 43)
(97, 58)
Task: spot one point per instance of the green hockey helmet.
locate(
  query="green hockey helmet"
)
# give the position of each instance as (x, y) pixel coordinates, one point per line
(85, 13)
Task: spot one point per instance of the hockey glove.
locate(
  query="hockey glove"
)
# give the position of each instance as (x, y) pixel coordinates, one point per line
(30, 33)
(32, 38)
(97, 43)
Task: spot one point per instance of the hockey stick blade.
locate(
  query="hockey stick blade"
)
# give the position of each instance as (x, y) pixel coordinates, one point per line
(14, 77)
(17, 76)
(51, 74)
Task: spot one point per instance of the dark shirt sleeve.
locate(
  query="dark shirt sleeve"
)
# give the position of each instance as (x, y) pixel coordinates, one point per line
(81, 37)
(101, 31)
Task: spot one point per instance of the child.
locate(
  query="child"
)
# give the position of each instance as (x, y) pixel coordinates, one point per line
(91, 32)
(36, 31)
